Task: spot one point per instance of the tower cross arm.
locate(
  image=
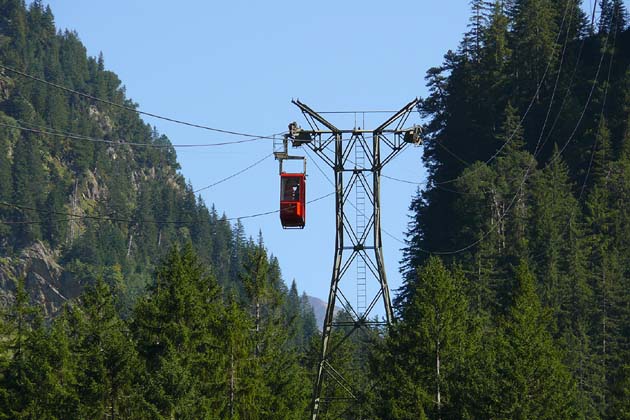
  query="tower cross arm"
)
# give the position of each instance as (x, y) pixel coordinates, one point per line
(404, 110)
(310, 112)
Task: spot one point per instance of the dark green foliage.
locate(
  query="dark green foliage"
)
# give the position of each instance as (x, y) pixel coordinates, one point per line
(533, 381)
(527, 144)
(211, 338)
(621, 405)
(55, 227)
(309, 322)
(527, 149)
(36, 376)
(28, 190)
(184, 353)
(302, 325)
(105, 361)
(614, 16)
(429, 354)
(8, 138)
(279, 386)
(176, 325)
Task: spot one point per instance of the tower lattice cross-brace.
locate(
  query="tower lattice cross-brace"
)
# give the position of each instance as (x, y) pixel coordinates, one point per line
(362, 245)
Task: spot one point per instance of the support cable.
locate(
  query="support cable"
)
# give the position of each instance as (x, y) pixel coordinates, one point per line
(123, 220)
(234, 174)
(64, 134)
(595, 142)
(128, 108)
(526, 174)
(529, 107)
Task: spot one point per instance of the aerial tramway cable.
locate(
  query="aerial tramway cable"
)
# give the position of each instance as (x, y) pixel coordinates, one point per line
(64, 134)
(129, 108)
(526, 174)
(255, 137)
(74, 216)
(536, 152)
(222, 180)
(531, 102)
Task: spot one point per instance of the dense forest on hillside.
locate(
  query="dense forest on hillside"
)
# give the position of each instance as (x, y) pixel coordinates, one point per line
(521, 306)
(107, 207)
(124, 296)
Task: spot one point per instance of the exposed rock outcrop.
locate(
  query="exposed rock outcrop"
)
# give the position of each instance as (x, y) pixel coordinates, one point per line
(44, 283)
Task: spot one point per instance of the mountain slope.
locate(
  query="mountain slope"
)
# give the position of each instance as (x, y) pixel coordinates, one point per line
(86, 186)
(319, 308)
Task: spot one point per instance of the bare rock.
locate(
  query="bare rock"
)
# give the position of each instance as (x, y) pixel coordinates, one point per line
(37, 264)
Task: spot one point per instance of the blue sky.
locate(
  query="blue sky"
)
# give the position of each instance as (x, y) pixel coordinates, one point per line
(237, 64)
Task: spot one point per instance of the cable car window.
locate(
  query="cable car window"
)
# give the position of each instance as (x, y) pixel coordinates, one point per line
(290, 189)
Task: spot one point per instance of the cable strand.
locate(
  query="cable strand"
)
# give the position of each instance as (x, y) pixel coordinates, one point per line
(128, 108)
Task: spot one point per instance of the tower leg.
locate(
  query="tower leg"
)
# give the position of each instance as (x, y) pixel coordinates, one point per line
(334, 283)
(358, 242)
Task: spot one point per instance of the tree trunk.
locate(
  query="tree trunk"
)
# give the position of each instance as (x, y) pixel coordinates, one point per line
(129, 245)
(232, 383)
(437, 377)
(257, 327)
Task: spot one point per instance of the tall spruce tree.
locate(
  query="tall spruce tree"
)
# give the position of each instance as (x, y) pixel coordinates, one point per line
(8, 138)
(534, 35)
(107, 365)
(176, 326)
(429, 353)
(28, 184)
(534, 383)
(37, 369)
(276, 377)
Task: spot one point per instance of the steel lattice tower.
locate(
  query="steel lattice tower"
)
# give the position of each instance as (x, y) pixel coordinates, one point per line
(361, 245)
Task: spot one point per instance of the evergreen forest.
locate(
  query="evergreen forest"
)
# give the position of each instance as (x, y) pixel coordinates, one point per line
(124, 296)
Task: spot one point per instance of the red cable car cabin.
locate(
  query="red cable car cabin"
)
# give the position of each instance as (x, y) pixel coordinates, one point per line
(292, 200)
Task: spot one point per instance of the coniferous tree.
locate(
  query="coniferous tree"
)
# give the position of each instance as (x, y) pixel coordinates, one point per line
(614, 16)
(494, 208)
(239, 390)
(508, 207)
(429, 353)
(56, 227)
(534, 382)
(107, 365)
(294, 318)
(474, 38)
(275, 376)
(534, 37)
(8, 138)
(28, 181)
(309, 322)
(37, 375)
(495, 57)
(176, 326)
(621, 405)
(554, 215)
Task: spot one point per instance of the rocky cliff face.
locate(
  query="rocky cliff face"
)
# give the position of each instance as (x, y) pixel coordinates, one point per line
(44, 280)
(86, 189)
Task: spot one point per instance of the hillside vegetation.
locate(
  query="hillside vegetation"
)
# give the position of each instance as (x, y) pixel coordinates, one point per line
(126, 297)
(521, 306)
(123, 295)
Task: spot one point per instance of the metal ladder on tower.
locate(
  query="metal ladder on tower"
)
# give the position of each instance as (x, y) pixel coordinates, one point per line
(360, 197)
